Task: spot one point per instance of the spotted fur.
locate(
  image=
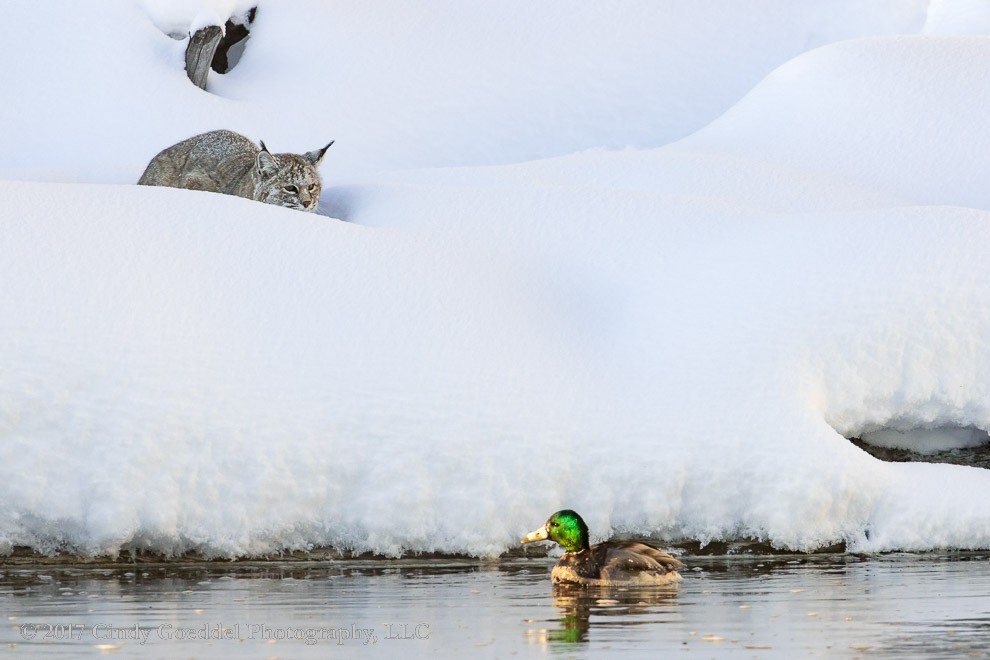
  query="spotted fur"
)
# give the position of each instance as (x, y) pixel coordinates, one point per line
(229, 163)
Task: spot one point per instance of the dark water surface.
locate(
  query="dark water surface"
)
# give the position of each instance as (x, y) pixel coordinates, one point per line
(754, 607)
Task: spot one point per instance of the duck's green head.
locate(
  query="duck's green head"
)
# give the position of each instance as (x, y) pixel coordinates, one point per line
(564, 527)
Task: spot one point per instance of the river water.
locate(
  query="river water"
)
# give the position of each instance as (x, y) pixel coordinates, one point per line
(748, 606)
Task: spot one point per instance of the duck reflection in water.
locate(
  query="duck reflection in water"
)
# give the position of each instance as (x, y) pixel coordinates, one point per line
(582, 608)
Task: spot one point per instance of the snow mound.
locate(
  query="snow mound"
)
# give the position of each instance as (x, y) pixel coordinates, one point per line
(958, 17)
(237, 379)
(185, 17)
(902, 115)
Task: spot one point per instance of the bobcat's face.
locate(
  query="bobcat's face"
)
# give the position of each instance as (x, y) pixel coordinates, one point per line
(288, 180)
(292, 182)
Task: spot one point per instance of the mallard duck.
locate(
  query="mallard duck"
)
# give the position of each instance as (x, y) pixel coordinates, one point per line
(606, 564)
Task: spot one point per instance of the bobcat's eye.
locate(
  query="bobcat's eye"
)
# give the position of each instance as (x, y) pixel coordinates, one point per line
(312, 187)
(290, 189)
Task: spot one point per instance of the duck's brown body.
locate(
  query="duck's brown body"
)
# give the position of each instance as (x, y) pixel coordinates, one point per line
(617, 563)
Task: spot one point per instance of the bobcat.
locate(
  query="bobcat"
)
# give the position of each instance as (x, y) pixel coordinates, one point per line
(227, 162)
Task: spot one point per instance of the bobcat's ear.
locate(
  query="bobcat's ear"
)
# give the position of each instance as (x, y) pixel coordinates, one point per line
(316, 156)
(264, 161)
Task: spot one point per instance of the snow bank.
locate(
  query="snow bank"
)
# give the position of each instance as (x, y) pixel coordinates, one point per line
(958, 17)
(180, 18)
(674, 341)
(901, 115)
(236, 378)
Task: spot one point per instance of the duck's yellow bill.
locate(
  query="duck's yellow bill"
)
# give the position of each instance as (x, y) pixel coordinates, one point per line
(539, 535)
